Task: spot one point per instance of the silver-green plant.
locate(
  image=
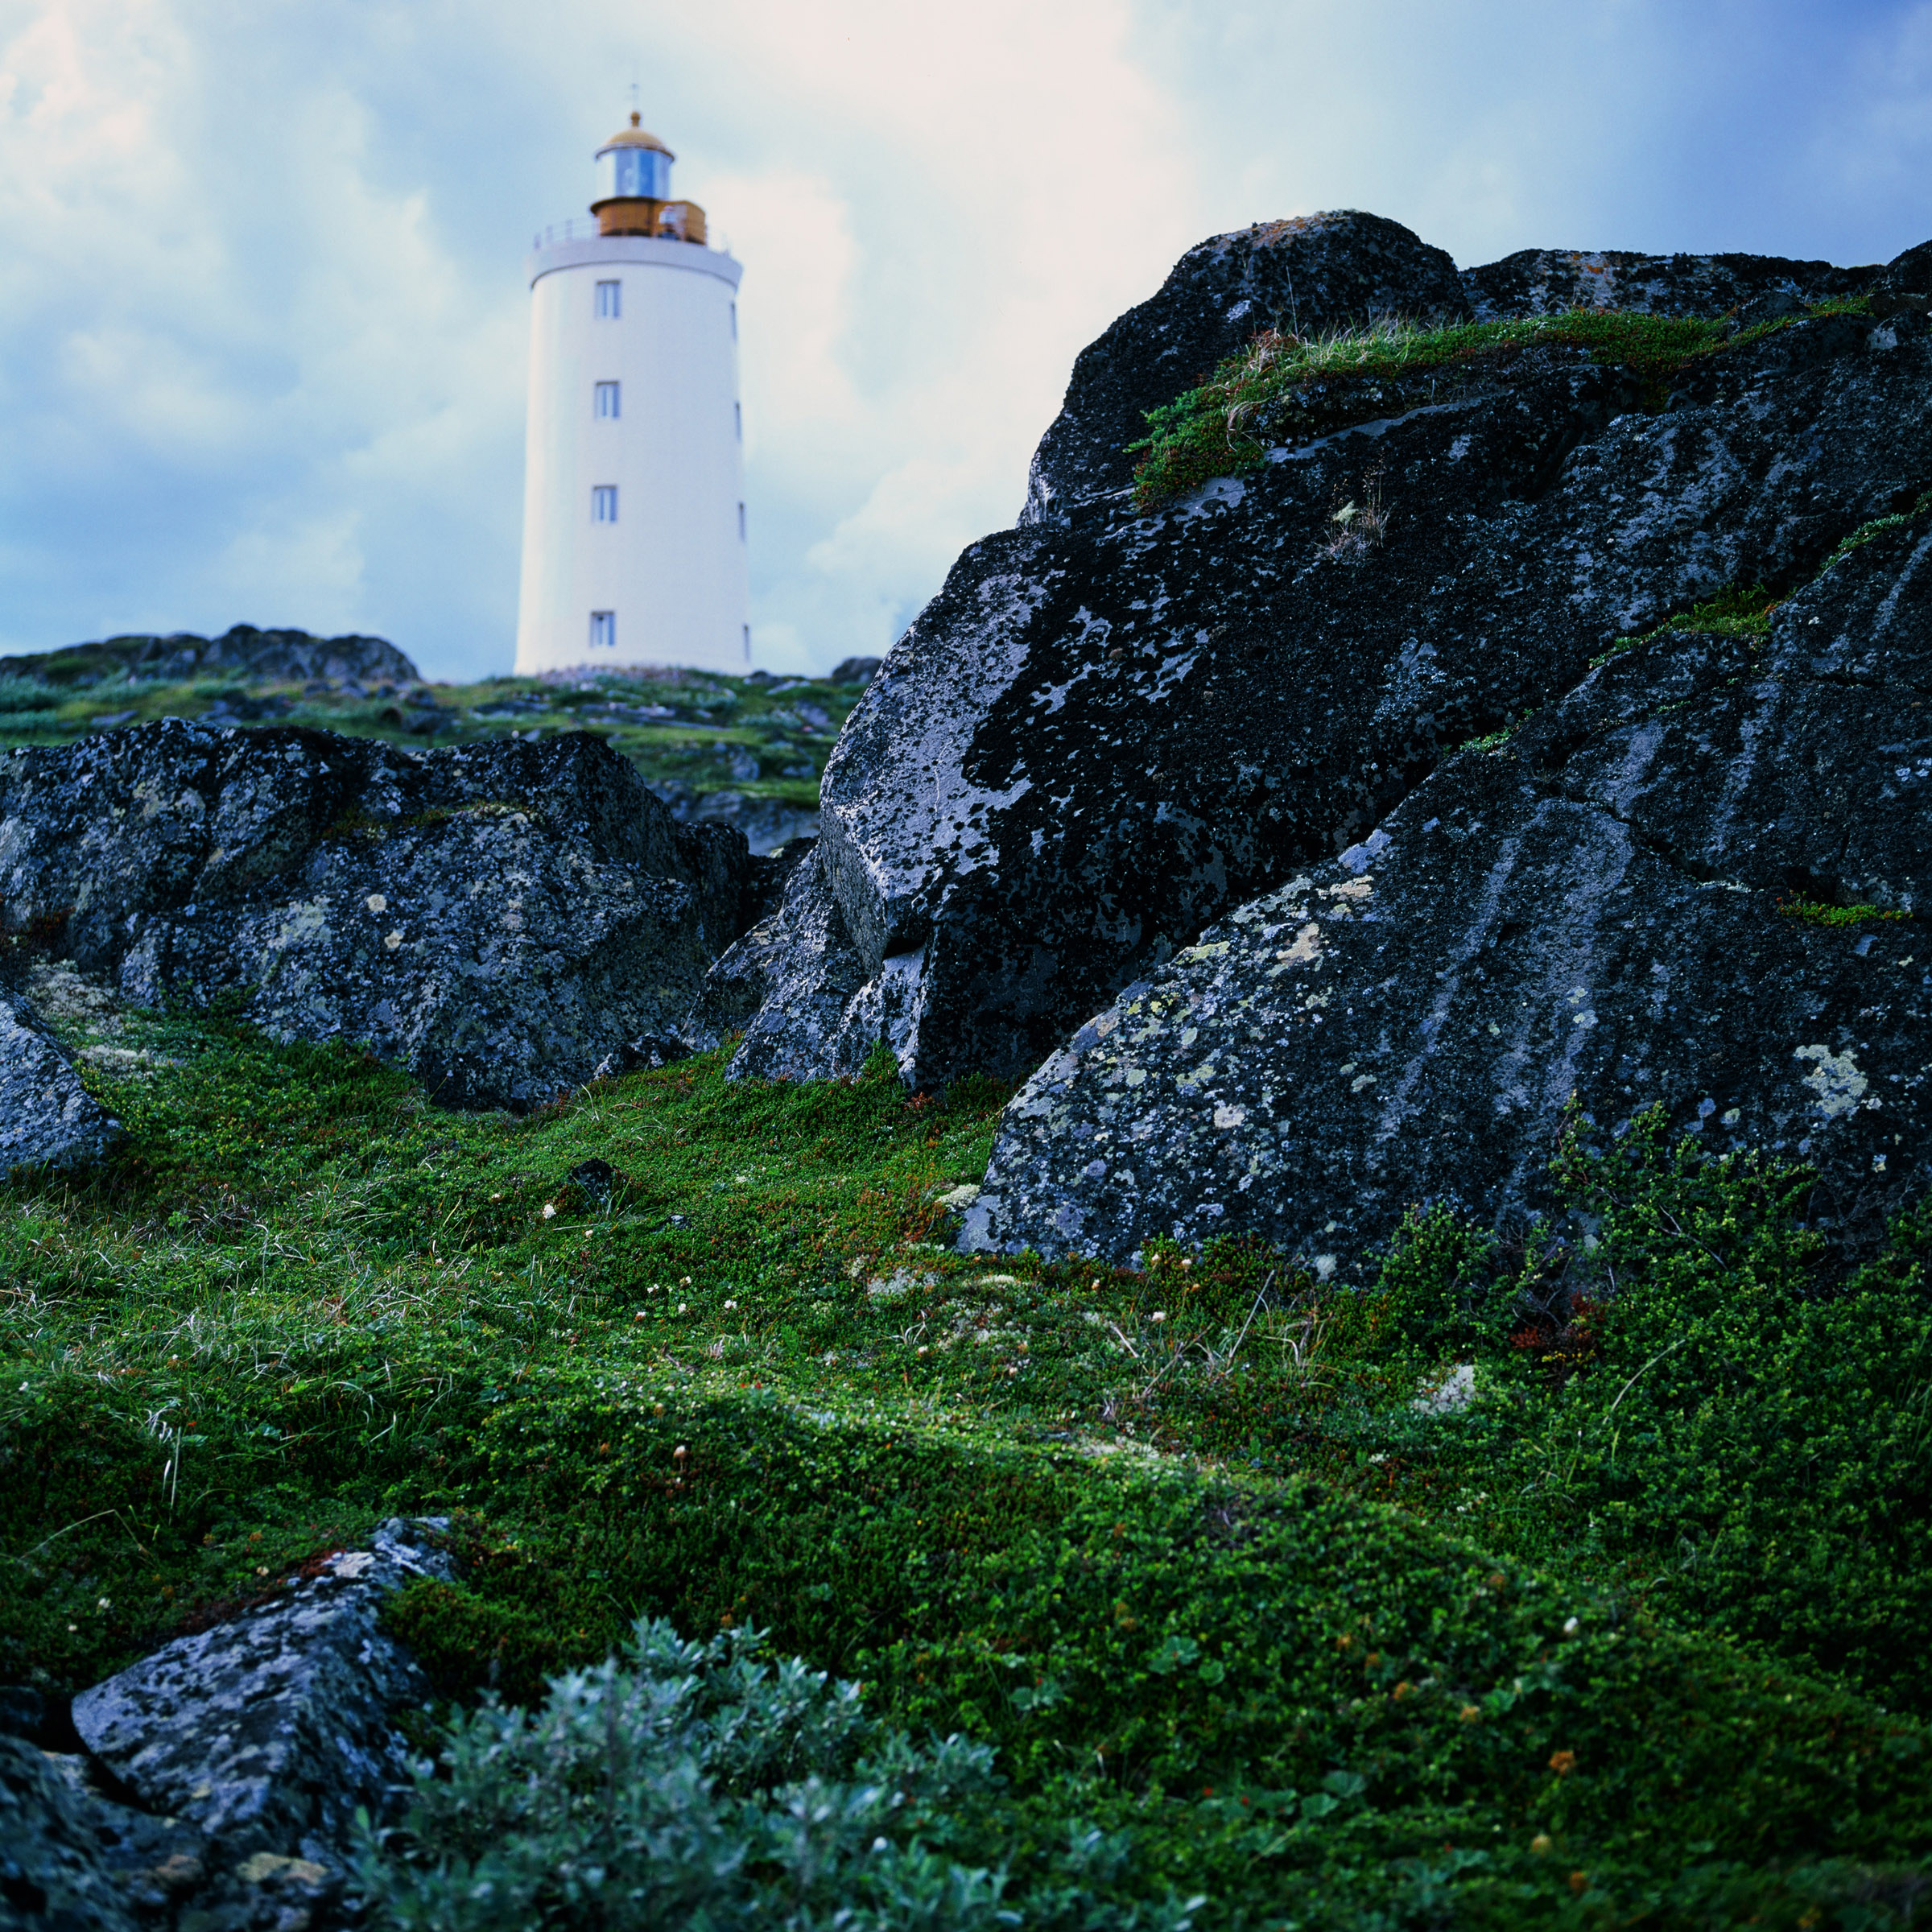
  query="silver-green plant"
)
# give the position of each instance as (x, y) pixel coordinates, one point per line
(702, 1784)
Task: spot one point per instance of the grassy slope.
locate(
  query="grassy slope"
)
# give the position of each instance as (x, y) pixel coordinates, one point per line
(717, 719)
(1198, 1569)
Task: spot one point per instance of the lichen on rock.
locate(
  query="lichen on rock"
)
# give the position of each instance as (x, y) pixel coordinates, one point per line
(499, 918)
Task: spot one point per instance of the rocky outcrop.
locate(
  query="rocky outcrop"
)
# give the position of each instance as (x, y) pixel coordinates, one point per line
(242, 652)
(222, 1775)
(1311, 274)
(47, 1119)
(1629, 900)
(498, 918)
(1113, 727)
(1546, 281)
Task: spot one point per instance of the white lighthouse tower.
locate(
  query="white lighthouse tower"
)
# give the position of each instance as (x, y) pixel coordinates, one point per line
(634, 491)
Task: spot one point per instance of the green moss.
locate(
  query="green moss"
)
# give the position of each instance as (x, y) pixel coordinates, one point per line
(1813, 913)
(1209, 1583)
(1284, 389)
(1877, 526)
(1737, 611)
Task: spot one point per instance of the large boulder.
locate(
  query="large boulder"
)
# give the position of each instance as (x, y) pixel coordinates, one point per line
(222, 1775)
(1311, 273)
(47, 1119)
(499, 918)
(1644, 897)
(266, 1733)
(1113, 726)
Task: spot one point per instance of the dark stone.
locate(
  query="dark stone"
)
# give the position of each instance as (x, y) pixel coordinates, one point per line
(1598, 908)
(595, 1178)
(24, 1712)
(1107, 732)
(47, 1119)
(1310, 274)
(797, 987)
(267, 656)
(56, 1874)
(856, 670)
(1910, 271)
(497, 918)
(647, 1052)
(212, 1786)
(765, 823)
(1546, 281)
(1780, 305)
(266, 1734)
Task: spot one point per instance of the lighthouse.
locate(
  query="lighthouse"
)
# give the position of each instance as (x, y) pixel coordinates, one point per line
(633, 489)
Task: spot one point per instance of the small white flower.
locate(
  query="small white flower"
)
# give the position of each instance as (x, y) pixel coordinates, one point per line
(106, 1602)
(550, 1211)
(1159, 1315)
(923, 1349)
(683, 1308)
(1571, 1628)
(684, 1281)
(731, 1304)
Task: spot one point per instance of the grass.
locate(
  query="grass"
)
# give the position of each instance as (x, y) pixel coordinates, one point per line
(1622, 1641)
(1284, 389)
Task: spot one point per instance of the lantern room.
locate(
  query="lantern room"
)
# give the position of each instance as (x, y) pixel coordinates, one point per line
(634, 189)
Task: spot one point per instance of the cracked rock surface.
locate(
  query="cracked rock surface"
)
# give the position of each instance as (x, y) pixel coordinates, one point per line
(222, 1774)
(1111, 727)
(498, 919)
(47, 1117)
(1602, 907)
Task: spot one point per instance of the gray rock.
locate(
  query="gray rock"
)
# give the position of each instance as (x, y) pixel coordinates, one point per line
(1592, 909)
(266, 1733)
(1547, 281)
(1310, 274)
(496, 918)
(56, 1874)
(765, 824)
(47, 1119)
(797, 987)
(856, 670)
(1109, 730)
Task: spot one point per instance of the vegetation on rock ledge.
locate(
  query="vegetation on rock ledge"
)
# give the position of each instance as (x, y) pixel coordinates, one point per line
(1284, 389)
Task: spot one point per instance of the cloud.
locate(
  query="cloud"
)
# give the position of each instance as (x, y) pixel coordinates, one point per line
(263, 328)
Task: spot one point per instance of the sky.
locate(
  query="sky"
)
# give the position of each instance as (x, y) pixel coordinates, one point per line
(263, 317)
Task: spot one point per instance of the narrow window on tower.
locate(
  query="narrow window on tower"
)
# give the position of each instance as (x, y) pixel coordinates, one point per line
(741, 521)
(603, 630)
(737, 416)
(608, 306)
(607, 398)
(747, 643)
(734, 321)
(604, 503)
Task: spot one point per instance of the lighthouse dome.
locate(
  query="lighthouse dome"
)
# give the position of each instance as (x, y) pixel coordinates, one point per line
(634, 161)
